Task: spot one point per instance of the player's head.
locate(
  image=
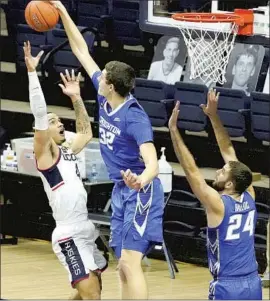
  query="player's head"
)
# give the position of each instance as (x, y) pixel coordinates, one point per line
(56, 128)
(117, 77)
(244, 66)
(171, 50)
(234, 176)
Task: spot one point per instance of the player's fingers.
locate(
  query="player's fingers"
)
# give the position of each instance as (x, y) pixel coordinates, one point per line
(78, 77)
(73, 75)
(131, 177)
(203, 106)
(123, 174)
(127, 173)
(26, 48)
(62, 87)
(67, 75)
(29, 47)
(63, 78)
(40, 54)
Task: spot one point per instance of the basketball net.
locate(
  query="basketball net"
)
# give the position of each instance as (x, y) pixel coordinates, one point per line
(208, 52)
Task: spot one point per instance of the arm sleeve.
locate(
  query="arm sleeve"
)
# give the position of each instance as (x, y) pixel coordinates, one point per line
(37, 102)
(139, 126)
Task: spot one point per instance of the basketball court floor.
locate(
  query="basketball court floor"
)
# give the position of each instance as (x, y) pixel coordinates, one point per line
(30, 270)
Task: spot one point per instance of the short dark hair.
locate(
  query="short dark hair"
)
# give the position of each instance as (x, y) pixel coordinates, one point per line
(249, 50)
(121, 76)
(241, 176)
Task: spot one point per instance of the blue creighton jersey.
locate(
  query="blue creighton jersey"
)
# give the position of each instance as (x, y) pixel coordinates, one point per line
(230, 246)
(121, 132)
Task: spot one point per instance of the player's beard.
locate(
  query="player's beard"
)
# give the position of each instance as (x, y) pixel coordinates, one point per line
(219, 185)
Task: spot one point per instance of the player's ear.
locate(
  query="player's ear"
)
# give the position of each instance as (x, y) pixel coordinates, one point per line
(229, 185)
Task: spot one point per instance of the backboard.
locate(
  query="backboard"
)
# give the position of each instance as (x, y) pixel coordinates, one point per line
(155, 15)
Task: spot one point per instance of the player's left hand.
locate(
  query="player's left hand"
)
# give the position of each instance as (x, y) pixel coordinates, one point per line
(174, 117)
(71, 84)
(212, 103)
(131, 179)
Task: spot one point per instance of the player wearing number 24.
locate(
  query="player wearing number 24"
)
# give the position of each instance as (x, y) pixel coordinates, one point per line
(230, 210)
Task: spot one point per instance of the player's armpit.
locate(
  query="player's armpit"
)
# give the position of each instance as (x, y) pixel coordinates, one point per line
(43, 149)
(208, 196)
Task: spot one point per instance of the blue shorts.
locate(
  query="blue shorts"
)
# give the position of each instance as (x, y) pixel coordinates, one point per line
(137, 217)
(237, 288)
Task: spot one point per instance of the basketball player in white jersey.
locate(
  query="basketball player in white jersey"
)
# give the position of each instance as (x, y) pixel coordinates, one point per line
(73, 239)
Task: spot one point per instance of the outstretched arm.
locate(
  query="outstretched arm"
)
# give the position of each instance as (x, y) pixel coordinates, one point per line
(222, 136)
(42, 140)
(206, 194)
(71, 87)
(76, 40)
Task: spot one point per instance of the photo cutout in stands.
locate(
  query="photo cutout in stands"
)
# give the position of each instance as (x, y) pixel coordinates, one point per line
(202, 66)
(266, 83)
(244, 67)
(168, 61)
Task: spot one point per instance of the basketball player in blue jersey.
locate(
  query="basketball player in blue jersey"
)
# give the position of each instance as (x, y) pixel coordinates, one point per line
(126, 143)
(230, 210)
(73, 239)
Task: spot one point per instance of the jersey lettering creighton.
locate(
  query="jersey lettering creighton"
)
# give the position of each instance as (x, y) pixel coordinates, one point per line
(121, 132)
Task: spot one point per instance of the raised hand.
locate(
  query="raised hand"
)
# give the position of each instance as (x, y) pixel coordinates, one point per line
(31, 61)
(57, 4)
(174, 116)
(212, 103)
(71, 84)
(132, 180)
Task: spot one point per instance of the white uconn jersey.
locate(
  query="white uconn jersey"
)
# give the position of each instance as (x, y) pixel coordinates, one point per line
(65, 190)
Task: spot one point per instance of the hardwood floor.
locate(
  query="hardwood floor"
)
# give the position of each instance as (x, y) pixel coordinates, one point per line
(30, 270)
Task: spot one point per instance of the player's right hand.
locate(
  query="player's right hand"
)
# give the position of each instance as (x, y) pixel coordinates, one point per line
(212, 103)
(131, 179)
(57, 4)
(31, 61)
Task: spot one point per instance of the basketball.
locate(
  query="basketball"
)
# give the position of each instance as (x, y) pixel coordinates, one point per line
(41, 15)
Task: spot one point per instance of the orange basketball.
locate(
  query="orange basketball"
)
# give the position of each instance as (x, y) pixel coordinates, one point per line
(41, 15)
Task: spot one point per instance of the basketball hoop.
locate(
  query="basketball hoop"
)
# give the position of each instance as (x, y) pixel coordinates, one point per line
(209, 49)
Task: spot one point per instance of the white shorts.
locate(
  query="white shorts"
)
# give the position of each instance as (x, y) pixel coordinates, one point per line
(75, 247)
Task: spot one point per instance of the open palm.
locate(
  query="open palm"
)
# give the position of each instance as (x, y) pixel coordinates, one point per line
(71, 83)
(31, 61)
(212, 103)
